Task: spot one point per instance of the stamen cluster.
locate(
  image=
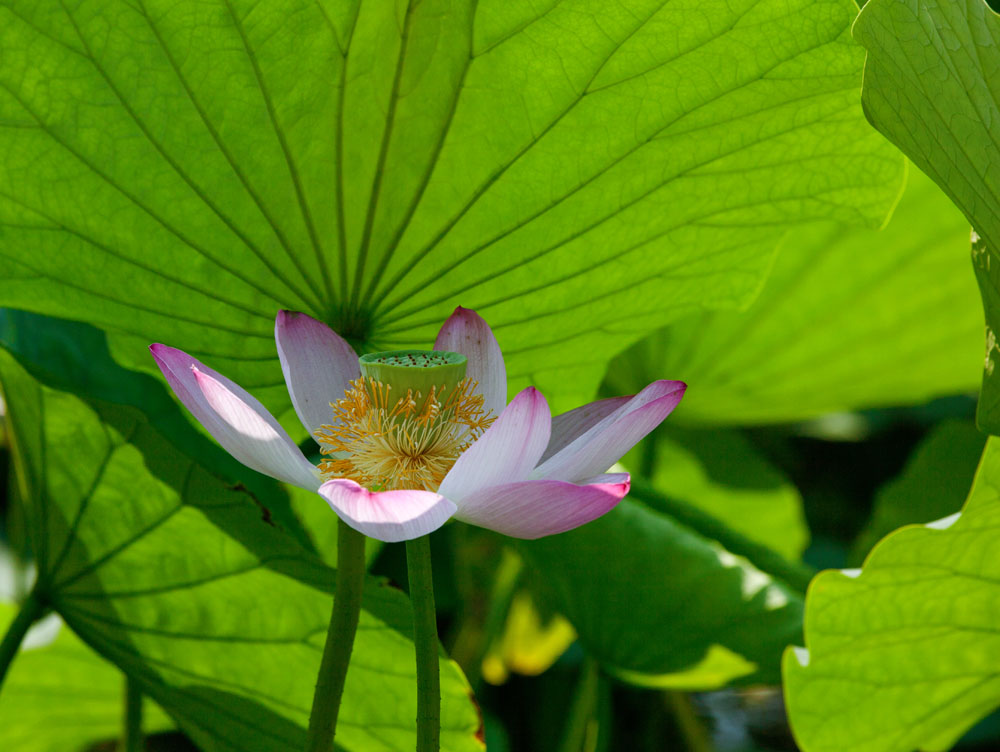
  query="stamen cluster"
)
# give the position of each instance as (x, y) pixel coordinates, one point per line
(409, 442)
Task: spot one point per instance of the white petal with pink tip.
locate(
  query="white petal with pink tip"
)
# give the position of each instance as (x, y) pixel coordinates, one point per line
(318, 365)
(390, 516)
(235, 418)
(607, 441)
(255, 437)
(466, 332)
(508, 450)
(536, 508)
(569, 426)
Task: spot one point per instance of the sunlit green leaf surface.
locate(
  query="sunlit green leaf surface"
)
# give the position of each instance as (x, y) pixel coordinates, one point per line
(848, 319)
(931, 88)
(174, 576)
(62, 697)
(648, 596)
(905, 653)
(580, 172)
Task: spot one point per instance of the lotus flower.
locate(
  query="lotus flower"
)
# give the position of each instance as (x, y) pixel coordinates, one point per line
(399, 464)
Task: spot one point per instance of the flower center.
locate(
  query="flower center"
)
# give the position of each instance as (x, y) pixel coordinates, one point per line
(404, 422)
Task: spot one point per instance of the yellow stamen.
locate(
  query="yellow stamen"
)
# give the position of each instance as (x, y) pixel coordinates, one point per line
(385, 444)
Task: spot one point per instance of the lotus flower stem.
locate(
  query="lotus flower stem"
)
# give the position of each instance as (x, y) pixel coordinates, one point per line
(339, 639)
(581, 713)
(132, 740)
(31, 610)
(425, 641)
(692, 730)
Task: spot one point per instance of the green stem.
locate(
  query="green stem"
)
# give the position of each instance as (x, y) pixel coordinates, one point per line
(581, 712)
(339, 639)
(132, 741)
(425, 642)
(31, 609)
(690, 726)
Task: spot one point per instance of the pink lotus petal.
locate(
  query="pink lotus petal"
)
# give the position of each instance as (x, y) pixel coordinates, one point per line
(390, 516)
(508, 450)
(607, 478)
(235, 418)
(609, 439)
(318, 365)
(569, 426)
(535, 508)
(467, 333)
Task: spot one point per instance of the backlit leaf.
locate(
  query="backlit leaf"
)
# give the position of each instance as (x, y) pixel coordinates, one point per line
(904, 653)
(63, 697)
(649, 596)
(931, 88)
(581, 172)
(848, 319)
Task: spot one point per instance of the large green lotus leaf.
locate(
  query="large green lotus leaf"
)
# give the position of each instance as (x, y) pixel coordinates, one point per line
(988, 276)
(905, 652)
(848, 319)
(581, 172)
(935, 479)
(173, 575)
(720, 472)
(73, 356)
(653, 600)
(63, 697)
(931, 88)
